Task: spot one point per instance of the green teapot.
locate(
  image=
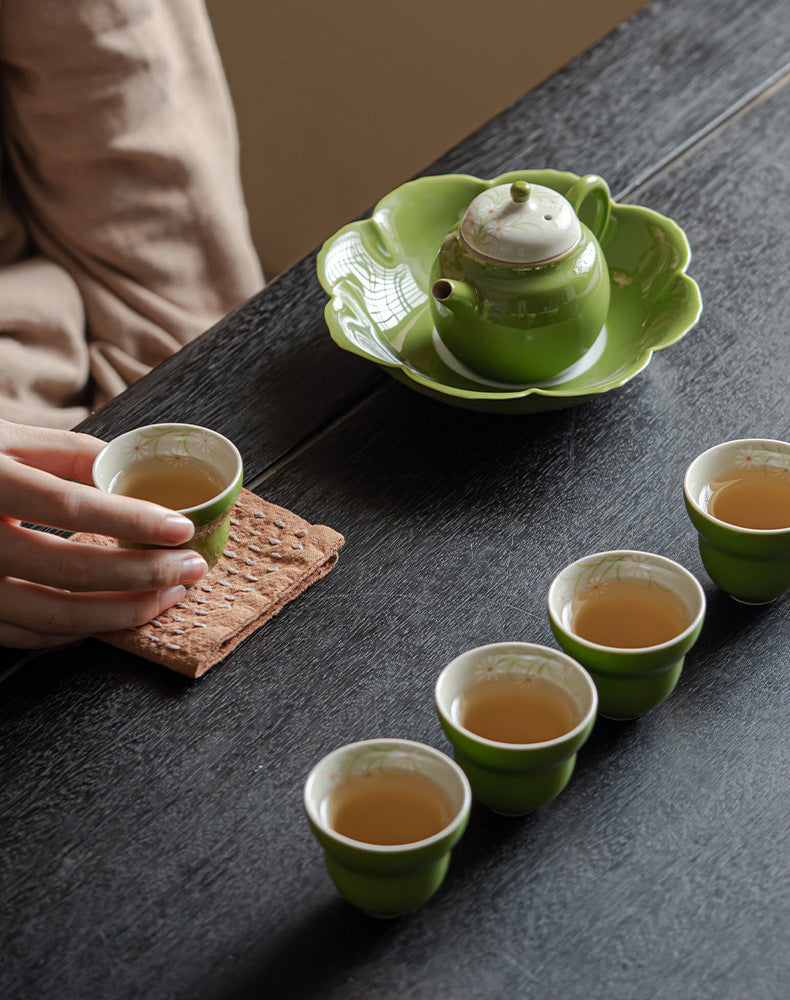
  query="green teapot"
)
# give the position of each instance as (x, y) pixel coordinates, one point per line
(520, 287)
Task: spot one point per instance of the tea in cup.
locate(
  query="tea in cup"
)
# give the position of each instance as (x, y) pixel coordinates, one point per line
(516, 714)
(190, 469)
(737, 495)
(630, 618)
(387, 813)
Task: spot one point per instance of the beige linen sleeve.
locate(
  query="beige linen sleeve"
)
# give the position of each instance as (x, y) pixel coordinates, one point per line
(119, 131)
(43, 354)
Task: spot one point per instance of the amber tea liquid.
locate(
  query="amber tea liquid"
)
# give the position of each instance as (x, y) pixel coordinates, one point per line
(518, 708)
(178, 483)
(629, 614)
(752, 497)
(389, 806)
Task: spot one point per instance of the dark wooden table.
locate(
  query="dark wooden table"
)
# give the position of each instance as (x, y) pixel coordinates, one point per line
(152, 841)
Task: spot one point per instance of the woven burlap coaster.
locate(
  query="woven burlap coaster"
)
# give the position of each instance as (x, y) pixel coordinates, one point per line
(272, 556)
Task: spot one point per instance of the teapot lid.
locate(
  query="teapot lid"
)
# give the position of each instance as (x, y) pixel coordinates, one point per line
(520, 223)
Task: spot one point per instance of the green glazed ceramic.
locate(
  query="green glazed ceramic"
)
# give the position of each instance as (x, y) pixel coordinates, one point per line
(377, 273)
(629, 681)
(169, 444)
(520, 287)
(750, 564)
(512, 778)
(386, 880)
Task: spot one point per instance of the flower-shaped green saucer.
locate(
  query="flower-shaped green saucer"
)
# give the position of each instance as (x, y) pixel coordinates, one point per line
(376, 273)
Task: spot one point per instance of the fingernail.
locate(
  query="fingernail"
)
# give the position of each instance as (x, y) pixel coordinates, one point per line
(193, 568)
(171, 595)
(176, 528)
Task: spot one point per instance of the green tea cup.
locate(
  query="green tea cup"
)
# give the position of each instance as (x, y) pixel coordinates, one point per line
(170, 445)
(751, 564)
(630, 680)
(386, 880)
(515, 778)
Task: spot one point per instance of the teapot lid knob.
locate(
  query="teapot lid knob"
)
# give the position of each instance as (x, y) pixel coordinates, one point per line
(519, 191)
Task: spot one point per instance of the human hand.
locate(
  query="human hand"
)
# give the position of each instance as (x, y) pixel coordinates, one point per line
(54, 590)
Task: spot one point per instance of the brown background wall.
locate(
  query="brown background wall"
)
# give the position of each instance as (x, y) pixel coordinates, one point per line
(340, 101)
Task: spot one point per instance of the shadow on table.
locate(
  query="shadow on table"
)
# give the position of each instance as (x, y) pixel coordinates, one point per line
(34, 674)
(313, 958)
(411, 451)
(337, 942)
(727, 623)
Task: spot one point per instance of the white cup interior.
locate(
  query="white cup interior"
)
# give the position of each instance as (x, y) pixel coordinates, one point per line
(601, 566)
(385, 754)
(506, 659)
(168, 442)
(711, 463)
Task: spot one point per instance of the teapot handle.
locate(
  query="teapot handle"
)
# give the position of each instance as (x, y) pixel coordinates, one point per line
(592, 184)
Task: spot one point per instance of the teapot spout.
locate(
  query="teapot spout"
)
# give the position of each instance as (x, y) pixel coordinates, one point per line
(457, 297)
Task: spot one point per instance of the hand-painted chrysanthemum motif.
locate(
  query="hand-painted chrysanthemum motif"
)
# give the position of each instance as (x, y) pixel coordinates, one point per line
(368, 759)
(153, 442)
(174, 458)
(133, 450)
(498, 227)
(763, 455)
(171, 445)
(202, 445)
(499, 664)
(598, 573)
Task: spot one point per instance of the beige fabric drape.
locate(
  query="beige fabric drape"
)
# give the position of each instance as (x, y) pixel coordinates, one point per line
(123, 232)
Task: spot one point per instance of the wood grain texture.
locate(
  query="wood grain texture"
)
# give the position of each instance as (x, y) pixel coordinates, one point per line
(640, 96)
(267, 376)
(152, 839)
